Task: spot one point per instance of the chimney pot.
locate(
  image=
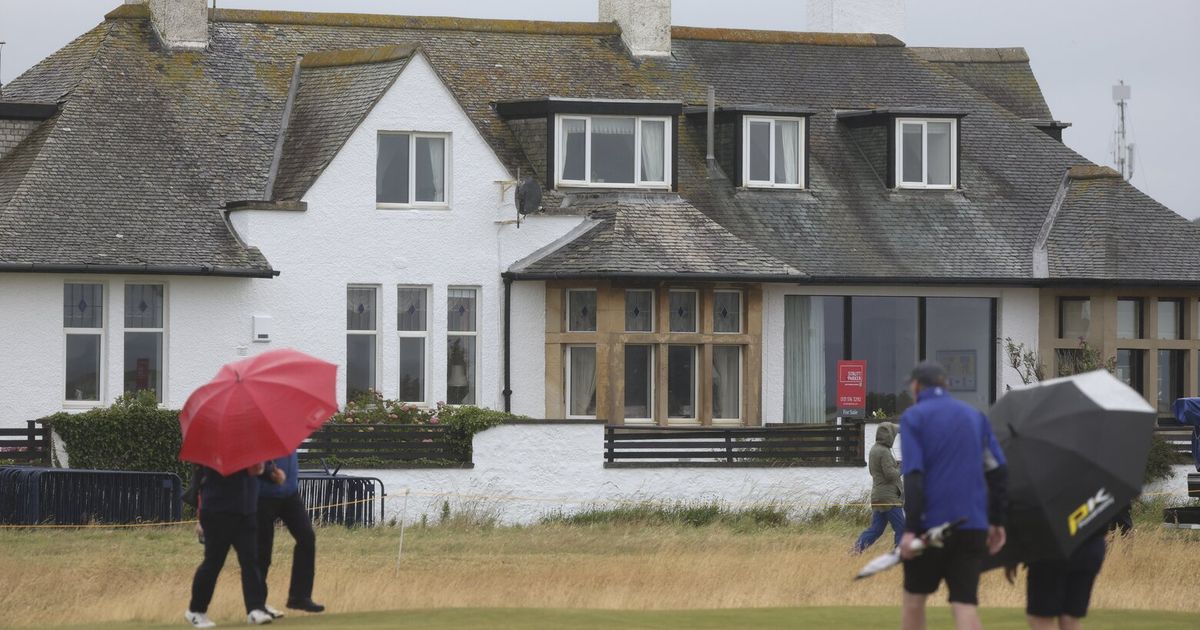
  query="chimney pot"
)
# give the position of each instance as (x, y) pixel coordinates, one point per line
(645, 25)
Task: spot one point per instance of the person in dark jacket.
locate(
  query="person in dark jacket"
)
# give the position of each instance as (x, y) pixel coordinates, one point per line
(886, 490)
(283, 502)
(228, 507)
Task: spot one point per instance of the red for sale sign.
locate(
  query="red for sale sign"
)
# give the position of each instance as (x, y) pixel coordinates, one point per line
(852, 389)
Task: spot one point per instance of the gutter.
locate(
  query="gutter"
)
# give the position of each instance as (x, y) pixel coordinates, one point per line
(162, 270)
(860, 280)
(507, 392)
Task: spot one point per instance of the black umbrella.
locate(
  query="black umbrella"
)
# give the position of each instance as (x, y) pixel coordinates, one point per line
(1076, 449)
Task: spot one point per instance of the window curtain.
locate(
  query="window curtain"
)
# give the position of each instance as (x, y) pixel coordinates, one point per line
(726, 397)
(583, 381)
(787, 152)
(804, 360)
(653, 150)
(437, 168)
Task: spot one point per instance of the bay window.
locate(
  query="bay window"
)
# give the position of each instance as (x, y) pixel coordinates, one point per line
(1129, 318)
(412, 327)
(1131, 368)
(639, 310)
(361, 340)
(144, 310)
(681, 383)
(926, 153)
(639, 383)
(462, 324)
(773, 152)
(613, 151)
(1074, 317)
(683, 310)
(581, 381)
(411, 169)
(581, 310)
(1170, 378)
(727, 311)
(1170, 319)
(83, 329)
(726, 383)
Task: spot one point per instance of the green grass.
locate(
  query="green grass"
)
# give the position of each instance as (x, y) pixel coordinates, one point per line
(763, 618)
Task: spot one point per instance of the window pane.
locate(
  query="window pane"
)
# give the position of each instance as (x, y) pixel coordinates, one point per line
(911, 153)
(727, 312)
(412, 307)
(939, 153)
(787, 152)
(958, 335)
(581, 311)
(1075, 318)
(681, 381)
(760, 151)
(462, 313)
(813, 333)
(1170, 318)
(143, 306)
(654, 150)
(360, 365)
(391, 169)
(884, 334)
(460, 370)
(83, 367)
(431, 169)
(639, 311)
(574, 147)
(612, 150)
(1130, 368)
(1170, 378)
(683, 311)
(727, 382)
(582, 392)
(83, 306)
(143, 362)
(1129, 319)
(639, 375)
(412, 369)
(360, 308)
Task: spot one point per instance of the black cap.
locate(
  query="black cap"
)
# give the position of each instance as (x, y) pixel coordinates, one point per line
(928, 374)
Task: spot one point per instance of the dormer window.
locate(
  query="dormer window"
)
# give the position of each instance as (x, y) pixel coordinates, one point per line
(926, 155)
(613, 151)
(773, 152)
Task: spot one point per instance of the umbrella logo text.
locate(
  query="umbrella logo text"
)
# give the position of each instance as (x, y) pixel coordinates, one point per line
(1088, 512)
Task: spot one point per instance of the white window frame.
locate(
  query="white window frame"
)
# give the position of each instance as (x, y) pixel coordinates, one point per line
(102, 380)
(463, 333)
(753, 183)
(637, 152)
(741, 311)
(413, 204)
(653, 310)
(567, 350)
(163, 361)
(899, 153)
(697, 306)
(653, 376)
(741, 381)
(567, 310)
(374, 333)
(414, 334)
(694, 419)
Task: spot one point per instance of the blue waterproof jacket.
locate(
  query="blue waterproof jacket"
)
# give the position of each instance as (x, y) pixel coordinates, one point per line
(1187, 411)
(290, 466)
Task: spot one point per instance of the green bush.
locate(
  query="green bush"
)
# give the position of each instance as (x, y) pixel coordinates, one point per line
(690, 514)
(133, 434)
(1162, 457)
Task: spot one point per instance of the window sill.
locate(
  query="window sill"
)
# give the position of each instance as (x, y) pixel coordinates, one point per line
(403, 206)
(921, 187)
(569, 186)
(787, 187)
(75, 405)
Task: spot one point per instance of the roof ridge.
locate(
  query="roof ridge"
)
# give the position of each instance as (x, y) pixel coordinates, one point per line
(356, 56)
(1011, 54)
(1092, 171)
(785, 37)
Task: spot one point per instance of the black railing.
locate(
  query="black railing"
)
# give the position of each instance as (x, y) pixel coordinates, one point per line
(28, 446)
(776, 445)
(386, 446)
(29, 496)
(334, 499)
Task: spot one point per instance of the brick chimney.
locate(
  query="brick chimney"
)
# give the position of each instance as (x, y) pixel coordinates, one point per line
(180, 24)
(645, 24)
(856, 16)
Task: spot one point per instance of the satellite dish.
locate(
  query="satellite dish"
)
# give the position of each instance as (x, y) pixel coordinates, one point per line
(529, 196)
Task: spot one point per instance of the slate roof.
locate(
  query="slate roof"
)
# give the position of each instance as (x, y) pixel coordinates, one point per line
(151, 145)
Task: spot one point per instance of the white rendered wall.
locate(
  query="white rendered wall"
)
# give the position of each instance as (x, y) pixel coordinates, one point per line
(1017, 317)
(524, 472)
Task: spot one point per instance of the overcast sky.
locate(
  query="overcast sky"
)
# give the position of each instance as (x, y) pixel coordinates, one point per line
(1079, 48)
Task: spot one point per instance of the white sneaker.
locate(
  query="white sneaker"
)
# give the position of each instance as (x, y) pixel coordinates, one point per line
(271, 610)
(259, 618)
(199, 620)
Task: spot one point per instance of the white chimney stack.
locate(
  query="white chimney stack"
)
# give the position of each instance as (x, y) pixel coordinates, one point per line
(856, 16)
(645, 24)
(180, 24)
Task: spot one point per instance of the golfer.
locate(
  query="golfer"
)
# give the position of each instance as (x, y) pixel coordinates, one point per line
(227, 518)
(281, 501)
(946, 448)
(886, 491)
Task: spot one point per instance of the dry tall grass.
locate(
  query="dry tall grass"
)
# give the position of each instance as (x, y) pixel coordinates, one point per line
(59, 577)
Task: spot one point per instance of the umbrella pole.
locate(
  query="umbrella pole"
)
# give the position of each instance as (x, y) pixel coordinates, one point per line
(403, 514)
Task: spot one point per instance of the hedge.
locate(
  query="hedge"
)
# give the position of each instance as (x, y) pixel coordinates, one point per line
(133, 434)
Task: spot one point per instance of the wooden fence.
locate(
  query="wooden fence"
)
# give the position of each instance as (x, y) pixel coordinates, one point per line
(717, 447)
(28, 446)
(386, 446)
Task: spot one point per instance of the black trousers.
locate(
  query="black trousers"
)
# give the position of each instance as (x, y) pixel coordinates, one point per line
(291, 511)
(223, 530)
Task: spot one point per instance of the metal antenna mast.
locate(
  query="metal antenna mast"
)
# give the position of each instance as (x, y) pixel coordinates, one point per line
(1122, 148)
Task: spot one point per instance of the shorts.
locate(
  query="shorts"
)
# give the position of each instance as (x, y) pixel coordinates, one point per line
(1054, 588)
(959, 563)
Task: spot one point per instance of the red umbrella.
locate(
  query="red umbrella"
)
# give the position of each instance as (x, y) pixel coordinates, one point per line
(257, 409)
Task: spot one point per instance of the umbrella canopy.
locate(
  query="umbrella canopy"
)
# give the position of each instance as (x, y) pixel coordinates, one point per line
(1077, 449)
(257, 409)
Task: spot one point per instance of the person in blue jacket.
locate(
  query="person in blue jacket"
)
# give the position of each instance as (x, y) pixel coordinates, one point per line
(283, 502)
